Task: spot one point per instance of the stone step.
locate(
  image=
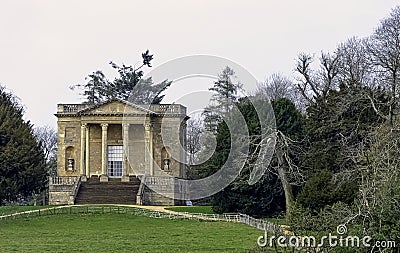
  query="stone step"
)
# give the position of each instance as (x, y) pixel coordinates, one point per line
(88, 187)
(112, 192)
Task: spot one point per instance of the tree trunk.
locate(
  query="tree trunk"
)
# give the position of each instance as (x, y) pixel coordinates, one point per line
(287, 187)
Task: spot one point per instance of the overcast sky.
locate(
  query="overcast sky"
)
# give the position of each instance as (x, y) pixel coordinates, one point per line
(48, 45)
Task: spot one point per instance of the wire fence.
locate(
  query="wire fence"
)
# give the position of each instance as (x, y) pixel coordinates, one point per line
(113, 209)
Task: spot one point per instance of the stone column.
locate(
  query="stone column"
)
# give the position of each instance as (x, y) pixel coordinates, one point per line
(125, 136)
(104, 177)
(82, 157)
(149, 157)
(87, 156)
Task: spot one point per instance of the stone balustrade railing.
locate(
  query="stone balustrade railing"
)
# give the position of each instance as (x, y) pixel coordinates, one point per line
(140, 193)
(64, 188)
(150, 180)
(157, 108)
(168, 108)
(70, 108)
(75, 190)
(63, 180)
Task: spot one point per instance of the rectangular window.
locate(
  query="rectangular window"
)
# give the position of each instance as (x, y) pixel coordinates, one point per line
(115, 158)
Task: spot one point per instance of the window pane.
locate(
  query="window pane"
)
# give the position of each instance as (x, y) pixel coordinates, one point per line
(115, 157)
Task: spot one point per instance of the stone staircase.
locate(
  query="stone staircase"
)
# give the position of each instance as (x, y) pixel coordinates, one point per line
(112, 192)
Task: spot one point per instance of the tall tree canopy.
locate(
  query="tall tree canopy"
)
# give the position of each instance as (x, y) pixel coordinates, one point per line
(266, 197)
(273, 192)
(128, 85)
(22, 162)
(226, 93)
(352, 132)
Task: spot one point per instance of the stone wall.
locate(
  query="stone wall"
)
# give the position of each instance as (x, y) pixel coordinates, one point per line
(94, 149)
(136, 149)
(61, 195)
(166, 139)
(69, 130)
(153, 198)
(161, 191)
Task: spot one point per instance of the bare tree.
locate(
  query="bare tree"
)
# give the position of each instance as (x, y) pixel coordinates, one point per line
(275, 149)
(384, 55)
(315, 84)
(279, 86)
(354, 67)
(286, 169)
(195, 129)
(282, 164)
(47, 137)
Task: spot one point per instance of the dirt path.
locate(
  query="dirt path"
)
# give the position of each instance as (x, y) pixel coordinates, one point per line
(153, 208)
(30, 211)
(260, 224)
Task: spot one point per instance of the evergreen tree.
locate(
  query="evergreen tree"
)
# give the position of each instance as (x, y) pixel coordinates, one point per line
(226, 95)
(97, 88)
(22, 163)
(266, 197)
(337, 131)
(129, 85)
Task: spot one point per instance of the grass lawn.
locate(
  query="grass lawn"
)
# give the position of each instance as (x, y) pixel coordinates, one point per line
(192, 209)
(123, 233)
(15, 209)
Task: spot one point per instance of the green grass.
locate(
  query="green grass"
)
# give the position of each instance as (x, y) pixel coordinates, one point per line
(192, 209)
(123, 233)
(4, 210)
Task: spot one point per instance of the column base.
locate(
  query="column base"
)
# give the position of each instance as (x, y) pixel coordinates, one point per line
(84, 178)
(103, 178)
(125, 179)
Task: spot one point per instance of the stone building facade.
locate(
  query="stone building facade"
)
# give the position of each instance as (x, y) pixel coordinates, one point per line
(117, 139)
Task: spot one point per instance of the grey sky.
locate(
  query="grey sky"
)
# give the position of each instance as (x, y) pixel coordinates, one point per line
(48, 45)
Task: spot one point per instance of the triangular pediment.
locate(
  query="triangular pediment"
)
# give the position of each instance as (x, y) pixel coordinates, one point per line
(115, 106)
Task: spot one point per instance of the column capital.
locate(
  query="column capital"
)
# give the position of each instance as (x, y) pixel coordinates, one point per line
(83, 125)
(104, 125)
(125, 125)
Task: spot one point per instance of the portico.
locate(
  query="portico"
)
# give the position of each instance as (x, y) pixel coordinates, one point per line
(119, 145)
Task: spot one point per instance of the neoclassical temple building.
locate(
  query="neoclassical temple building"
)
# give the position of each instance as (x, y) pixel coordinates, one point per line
(111, 152)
